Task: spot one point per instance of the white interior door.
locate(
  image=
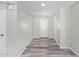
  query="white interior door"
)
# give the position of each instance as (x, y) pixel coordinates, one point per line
(2, 31)
(44, 28)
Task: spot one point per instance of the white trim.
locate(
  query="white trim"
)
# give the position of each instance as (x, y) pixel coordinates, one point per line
(64, 47)
(57, 42)
(70, 49)
(3, 51)
(74, 51)
(35, 37)
(73, 4)
(50, 37)
(21, 51)
(19, 55)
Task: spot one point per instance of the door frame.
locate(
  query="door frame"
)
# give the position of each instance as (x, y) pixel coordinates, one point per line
(47, 26)
(3, 30)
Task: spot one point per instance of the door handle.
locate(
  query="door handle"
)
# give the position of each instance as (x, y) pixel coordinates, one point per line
(2, 35)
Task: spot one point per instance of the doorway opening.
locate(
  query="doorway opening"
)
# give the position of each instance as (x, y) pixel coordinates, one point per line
(43, 27)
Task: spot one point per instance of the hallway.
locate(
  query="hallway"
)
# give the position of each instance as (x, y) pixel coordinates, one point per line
(45, 47)
(39, 28)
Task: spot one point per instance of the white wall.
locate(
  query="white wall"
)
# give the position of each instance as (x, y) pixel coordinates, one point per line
(56, 25)
(36, 26)
(74, 41)
(11, 31)
(50, 27)
(24, 27)
(18, 29)
(61, 26)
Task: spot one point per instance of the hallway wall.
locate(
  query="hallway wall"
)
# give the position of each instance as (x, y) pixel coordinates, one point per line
(64, 12)
(56, 27)
(74, 41)
(61, 27)
(36, 27)
(11, 31)
(24, 27)
(18, 29)
(50, 26)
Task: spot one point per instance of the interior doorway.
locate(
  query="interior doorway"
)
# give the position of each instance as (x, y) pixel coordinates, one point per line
(44, 28)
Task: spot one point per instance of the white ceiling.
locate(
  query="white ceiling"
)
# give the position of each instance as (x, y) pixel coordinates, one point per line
(51, 6)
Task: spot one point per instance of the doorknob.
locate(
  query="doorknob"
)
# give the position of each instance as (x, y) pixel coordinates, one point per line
(2, 35)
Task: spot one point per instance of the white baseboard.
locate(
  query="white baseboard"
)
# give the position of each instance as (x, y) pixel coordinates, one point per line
(56, 41)
(64, 47)
(74, 51)
(50, 37)
(19, 55)
(70, 49)
(35, 37)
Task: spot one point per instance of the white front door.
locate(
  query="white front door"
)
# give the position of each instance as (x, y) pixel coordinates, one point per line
(2, 31)
(44, 28)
